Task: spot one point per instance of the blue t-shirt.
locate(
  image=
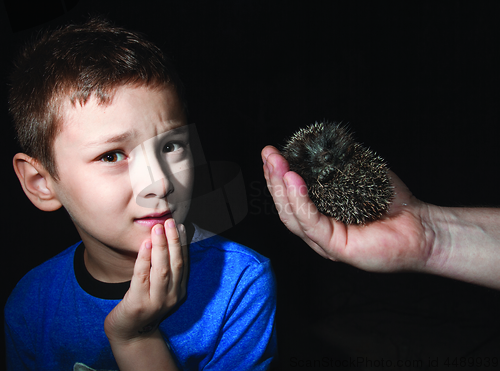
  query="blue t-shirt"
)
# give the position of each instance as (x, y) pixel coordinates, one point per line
(226, 322)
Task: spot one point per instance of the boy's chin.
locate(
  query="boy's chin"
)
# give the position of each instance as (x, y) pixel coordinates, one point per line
(128, 250)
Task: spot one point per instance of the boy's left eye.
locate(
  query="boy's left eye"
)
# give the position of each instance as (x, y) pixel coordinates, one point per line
(172, 146)
(112, 157)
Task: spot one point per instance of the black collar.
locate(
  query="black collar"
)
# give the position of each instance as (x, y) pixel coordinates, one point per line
(99, 289)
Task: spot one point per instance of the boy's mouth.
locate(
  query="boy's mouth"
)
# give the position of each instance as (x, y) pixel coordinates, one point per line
(151, 220)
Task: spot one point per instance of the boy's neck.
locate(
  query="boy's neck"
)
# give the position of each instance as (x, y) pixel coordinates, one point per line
(109, 266)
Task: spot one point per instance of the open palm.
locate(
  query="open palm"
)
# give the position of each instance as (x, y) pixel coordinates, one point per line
(399, 241)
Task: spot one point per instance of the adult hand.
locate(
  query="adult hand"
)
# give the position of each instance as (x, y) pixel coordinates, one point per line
(401, 240)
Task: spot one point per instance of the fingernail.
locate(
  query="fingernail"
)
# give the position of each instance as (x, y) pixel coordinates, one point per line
(171, 223)
(270, 167)
(158, 229)
(148, 245)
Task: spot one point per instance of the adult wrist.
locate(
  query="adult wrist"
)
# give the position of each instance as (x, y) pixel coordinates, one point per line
(436, 222)
(465, 244)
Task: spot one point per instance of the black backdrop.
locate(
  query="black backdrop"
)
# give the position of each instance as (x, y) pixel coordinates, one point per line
(417, 81)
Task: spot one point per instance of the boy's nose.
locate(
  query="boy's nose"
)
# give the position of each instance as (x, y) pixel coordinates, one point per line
(160, 185)
(160, 189)
(155, 193)
(150, 179)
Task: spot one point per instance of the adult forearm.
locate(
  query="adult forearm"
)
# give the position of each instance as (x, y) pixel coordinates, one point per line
(151, 353)
(465, 244)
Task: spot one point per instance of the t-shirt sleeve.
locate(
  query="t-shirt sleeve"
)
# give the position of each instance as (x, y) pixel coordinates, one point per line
(248, 335)
(19, 356)
(20, 352)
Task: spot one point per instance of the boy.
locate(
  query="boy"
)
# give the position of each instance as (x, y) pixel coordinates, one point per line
(91, 102)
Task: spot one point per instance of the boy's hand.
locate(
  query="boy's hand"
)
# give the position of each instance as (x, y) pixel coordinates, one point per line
(158, 284)
(399, 241)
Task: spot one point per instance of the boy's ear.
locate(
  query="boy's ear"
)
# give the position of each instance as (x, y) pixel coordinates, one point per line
(36, 182)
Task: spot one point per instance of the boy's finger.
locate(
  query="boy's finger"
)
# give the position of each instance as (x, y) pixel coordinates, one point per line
(142, 268)
(185, 257)
(175, 251)
(160, 261)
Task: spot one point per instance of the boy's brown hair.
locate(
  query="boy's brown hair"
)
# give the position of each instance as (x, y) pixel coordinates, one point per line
(76, 62)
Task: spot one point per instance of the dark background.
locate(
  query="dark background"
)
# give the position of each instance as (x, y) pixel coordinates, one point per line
(417, 81)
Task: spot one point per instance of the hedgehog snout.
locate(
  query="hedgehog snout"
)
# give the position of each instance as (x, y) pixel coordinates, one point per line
(327, 157)
(325, 174)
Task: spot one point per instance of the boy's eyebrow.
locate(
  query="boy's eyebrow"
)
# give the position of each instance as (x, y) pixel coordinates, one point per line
(114, 139)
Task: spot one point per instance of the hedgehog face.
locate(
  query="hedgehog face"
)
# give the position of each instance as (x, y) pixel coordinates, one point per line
(320, 152)
(345, 180)
(330, 159)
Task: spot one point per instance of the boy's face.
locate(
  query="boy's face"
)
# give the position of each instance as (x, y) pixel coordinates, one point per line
(121, 162)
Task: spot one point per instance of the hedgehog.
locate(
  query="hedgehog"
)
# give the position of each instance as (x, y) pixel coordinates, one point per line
(345, 180)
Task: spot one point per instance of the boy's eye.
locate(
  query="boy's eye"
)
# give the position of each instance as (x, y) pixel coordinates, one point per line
(112, 157)
(172, 146)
